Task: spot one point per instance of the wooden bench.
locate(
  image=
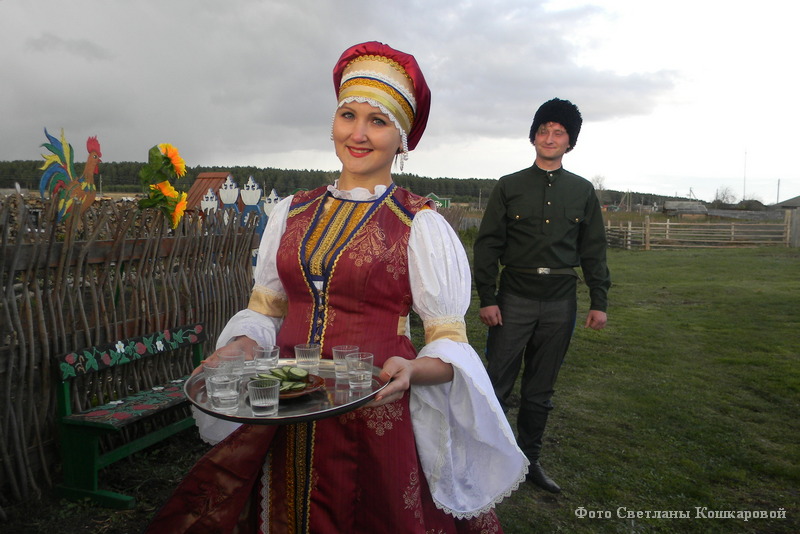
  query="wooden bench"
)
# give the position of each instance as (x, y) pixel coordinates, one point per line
(80, 433)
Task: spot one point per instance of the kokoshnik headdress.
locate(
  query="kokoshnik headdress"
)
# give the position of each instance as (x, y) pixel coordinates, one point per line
(389, 80)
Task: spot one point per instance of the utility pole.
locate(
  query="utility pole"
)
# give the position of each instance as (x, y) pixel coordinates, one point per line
(744, 186)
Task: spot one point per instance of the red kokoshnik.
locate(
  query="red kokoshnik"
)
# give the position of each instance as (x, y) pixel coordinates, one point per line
(410, 68)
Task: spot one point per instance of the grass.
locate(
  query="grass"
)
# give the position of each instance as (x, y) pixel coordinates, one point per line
(689, 398)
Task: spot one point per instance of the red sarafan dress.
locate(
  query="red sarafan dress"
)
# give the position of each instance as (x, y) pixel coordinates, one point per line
(343, 277)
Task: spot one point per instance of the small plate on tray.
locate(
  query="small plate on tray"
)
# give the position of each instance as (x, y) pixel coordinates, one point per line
(315, 383)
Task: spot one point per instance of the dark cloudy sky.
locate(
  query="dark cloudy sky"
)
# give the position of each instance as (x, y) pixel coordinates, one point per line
(675, 95)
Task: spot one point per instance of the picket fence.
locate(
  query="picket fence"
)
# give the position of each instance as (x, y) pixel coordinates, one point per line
(654, 235)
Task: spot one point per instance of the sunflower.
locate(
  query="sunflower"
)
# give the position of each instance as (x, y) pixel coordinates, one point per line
(174, 157)
(180, 207)
(165, 188)
(164, 165)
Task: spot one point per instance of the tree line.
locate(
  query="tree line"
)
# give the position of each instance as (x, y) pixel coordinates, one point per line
(123, 176)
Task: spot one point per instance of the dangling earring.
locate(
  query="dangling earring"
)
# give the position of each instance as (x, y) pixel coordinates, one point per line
(404, 156)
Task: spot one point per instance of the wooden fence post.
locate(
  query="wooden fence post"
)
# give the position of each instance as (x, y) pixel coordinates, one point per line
(792, 220)
(647, 232)
(629, 236)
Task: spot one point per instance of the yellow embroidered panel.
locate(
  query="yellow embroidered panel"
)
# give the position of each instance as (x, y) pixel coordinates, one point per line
(338, 221)
(453, 328)
(267, 302)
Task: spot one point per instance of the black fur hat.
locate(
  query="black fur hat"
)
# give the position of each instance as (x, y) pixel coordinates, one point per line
(563, 112)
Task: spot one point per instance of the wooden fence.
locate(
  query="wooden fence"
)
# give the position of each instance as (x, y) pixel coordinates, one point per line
(652, 235)
(117, 272)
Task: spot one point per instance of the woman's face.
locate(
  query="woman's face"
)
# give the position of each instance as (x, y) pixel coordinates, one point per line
(366, 141)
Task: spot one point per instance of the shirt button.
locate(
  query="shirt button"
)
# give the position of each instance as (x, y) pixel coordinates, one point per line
(549, 203)
(516, 216)
(547, 221)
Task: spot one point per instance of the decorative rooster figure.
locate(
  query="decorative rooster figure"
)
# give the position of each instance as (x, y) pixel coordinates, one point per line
(59, 177)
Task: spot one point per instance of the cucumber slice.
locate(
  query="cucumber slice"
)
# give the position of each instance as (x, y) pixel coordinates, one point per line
(297, 374)
(279, 373)
(296, 386)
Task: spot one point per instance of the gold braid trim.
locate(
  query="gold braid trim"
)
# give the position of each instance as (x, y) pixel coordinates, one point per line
(402, 323)
(268, 302)
(300, 209)
(400, 213)
(350, 88)
(389, 61)
(446, 327)
(291, 477)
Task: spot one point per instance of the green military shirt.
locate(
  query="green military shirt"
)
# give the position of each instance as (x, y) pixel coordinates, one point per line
(537, 219)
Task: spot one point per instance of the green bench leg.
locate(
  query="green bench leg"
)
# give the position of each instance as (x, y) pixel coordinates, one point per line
(80, 452)
(82, 461)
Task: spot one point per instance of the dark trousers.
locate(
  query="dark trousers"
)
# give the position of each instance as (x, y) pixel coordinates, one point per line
(537, 333)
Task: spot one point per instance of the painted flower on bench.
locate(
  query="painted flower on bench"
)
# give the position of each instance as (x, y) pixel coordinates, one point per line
(123, 351)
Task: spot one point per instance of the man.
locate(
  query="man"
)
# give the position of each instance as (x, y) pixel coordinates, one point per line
(540, 223)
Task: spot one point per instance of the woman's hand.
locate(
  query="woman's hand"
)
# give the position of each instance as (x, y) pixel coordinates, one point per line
(242, 342)
(401, 373)
(397, 371)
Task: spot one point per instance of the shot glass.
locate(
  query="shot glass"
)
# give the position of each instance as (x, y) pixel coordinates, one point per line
(359, 369)
(339, 364)
(266, 357)
(341, 392)
(223, 392)
(264, 394)
(234, 358)
(307, 355)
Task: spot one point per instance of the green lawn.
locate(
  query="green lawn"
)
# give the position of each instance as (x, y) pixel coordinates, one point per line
(689, 399)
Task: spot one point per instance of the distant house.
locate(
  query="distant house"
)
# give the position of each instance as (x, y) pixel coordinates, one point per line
(201, 185)
(684, 207)
(791, 204)
(440, 202)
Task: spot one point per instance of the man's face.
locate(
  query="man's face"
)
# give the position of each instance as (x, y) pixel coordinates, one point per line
(551, 141)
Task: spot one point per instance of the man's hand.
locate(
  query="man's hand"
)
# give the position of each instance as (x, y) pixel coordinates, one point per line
(491, 316)
(596, 320)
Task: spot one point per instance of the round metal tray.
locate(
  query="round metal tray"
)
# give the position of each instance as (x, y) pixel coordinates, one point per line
(334, 398)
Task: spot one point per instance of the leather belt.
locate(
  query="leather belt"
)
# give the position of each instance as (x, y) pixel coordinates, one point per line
(545, 270)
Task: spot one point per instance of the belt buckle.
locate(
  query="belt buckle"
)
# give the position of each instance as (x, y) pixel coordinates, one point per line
(543, 270)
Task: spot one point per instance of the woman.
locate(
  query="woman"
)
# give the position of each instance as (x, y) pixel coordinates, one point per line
(345, 264)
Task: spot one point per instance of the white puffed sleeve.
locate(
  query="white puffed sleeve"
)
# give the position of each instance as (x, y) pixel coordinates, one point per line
(465, 443)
